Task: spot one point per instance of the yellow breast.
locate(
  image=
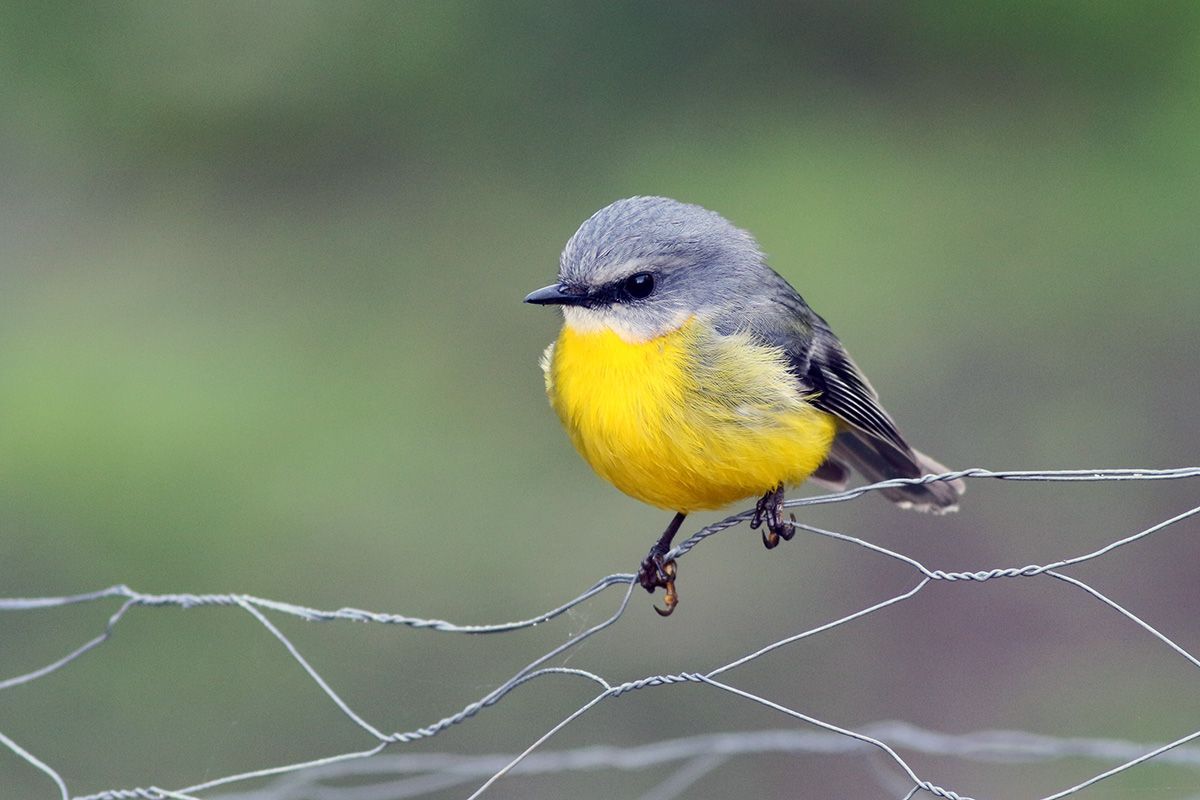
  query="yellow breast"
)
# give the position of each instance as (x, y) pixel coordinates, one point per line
(690, 420)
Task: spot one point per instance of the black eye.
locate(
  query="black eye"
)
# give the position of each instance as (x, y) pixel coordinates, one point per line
(639, 286)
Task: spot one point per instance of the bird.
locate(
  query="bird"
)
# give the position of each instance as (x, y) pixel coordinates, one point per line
(689, 374)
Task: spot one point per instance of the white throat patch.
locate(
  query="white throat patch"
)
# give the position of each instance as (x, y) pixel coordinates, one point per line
(595, 320)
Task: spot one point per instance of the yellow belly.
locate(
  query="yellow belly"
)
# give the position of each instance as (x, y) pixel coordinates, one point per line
(690, 420)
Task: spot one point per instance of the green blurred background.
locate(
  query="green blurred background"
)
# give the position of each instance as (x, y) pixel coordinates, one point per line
(260, 331)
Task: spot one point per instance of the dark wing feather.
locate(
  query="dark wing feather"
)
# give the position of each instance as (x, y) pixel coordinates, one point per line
(869, 440)
(845, 393)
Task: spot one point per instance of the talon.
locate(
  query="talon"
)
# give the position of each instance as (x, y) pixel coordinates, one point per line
(670, 597)
(787, 529)
(769, 510)
(760, 513)
(653, 572)
(770, 538)
(657, 571)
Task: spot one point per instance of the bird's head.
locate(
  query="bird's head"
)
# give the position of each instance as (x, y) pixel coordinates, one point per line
(644, 266)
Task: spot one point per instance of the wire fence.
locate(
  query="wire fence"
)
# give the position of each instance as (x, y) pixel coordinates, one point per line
(399, 775)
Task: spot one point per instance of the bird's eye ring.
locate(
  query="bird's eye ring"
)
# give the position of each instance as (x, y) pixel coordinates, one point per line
(639, 286)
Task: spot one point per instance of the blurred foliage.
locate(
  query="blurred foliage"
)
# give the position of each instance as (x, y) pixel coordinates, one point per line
(260, 330)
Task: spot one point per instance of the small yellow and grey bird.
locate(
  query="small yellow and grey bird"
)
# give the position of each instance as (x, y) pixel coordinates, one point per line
(690, 374)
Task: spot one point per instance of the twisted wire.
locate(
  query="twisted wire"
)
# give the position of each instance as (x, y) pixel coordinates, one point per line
(451, 771)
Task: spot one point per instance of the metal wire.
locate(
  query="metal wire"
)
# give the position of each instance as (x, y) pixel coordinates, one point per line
(699, 755)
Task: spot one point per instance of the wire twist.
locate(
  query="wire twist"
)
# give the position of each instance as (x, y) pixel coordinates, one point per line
(701, 762)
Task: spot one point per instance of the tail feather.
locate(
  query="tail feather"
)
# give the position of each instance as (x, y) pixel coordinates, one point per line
(832, 474)
(877, 460)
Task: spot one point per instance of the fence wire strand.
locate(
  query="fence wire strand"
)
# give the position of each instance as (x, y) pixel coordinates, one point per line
(416, 775)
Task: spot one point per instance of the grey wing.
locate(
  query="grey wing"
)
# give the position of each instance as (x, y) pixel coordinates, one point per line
(869, 441)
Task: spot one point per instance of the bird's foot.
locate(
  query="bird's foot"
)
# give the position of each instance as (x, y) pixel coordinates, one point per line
(659, 572)
(769, 511)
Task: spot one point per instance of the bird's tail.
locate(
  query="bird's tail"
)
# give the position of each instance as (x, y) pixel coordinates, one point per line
(877, 460)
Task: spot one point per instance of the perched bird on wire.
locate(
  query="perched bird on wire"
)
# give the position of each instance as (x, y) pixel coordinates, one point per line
(689, 374)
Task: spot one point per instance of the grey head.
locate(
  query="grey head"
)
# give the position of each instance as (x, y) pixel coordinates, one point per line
(644, 265)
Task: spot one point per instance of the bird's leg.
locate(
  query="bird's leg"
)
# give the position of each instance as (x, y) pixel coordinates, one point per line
(656, 572)
(770, 510)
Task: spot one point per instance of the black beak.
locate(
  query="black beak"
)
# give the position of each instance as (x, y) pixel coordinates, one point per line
(556, 295)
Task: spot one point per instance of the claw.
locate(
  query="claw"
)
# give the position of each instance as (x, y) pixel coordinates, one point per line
(769, 511)
(760, 513)
(657, 571)
(670, 597)
(787, 529)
